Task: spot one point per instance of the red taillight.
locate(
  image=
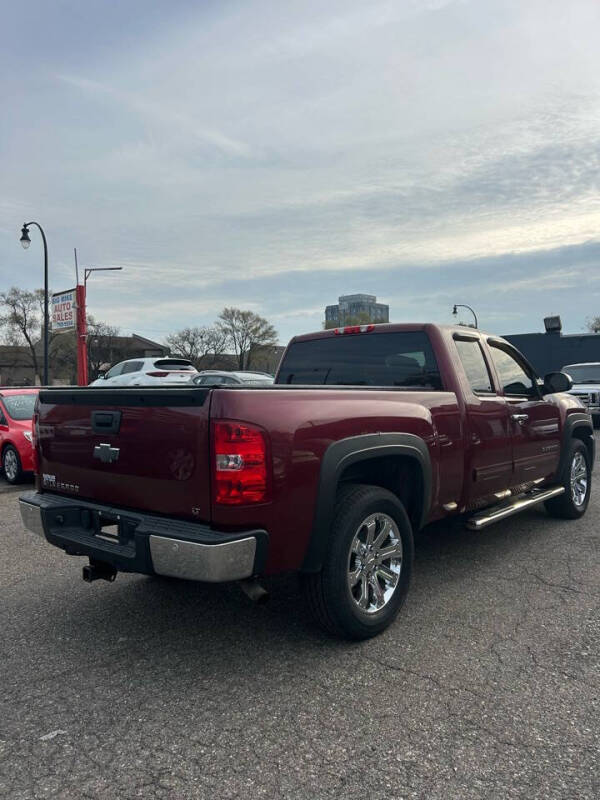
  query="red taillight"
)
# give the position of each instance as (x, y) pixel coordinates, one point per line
(157, 374)
(355, 329)
(35, 439)
(240, 463)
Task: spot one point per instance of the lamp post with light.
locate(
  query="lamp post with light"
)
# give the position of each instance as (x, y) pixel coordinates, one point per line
(26, 241)
(463, 305)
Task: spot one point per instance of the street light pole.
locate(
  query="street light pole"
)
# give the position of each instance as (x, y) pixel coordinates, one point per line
(463, 305)
(26, 241)
(82, 299)
(88, 271)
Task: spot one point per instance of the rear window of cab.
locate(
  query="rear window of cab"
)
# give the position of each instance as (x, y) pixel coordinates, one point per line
(403, 359)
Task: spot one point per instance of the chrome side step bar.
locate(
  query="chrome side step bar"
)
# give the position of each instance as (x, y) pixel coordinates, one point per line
(484, 518)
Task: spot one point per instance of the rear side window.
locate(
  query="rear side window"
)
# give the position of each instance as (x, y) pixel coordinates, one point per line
(404, 359)
(116, 370)
(132, 366)
(471, 356)
(175, 363)
(515, 378)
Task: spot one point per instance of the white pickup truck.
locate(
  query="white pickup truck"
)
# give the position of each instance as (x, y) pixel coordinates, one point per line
(586, 385)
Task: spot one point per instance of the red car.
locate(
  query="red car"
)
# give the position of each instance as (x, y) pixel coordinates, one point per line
(16, 411)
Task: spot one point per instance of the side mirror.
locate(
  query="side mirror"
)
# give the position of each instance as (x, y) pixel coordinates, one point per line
(101, 375)
(557, 382)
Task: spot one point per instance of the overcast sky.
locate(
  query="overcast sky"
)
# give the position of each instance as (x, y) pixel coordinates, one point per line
(274, 155)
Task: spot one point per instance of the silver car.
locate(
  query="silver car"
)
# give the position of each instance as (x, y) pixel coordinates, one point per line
(216, 377)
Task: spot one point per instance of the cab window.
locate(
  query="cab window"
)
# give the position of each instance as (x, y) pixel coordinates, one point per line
(515, 377)
(474, 365)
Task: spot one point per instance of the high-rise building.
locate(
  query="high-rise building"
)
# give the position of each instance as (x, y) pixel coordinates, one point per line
(355, 309)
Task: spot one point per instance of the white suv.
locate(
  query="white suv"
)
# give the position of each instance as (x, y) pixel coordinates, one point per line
(147, 372)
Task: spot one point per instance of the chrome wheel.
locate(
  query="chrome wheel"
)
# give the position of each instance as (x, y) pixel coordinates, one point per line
(11, 465)
(374, 563)
(579, 479)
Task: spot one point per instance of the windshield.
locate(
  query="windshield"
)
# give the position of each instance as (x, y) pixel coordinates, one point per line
(20, 406)
(404, 359)
(583, 373)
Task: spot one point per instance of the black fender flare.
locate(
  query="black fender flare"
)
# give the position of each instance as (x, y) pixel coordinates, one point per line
(573, 422)
(342, 454)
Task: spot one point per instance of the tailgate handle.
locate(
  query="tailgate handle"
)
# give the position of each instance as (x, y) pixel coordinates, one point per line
(106, 421)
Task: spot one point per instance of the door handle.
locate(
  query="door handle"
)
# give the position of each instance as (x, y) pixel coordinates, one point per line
(520, 418)
(106, 421)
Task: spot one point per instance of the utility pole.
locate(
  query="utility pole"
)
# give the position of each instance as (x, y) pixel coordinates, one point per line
(82, 359)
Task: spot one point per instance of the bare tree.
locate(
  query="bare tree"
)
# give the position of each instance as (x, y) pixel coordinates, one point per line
(100, 344)
(63, 356)
(245, 329)
(21, 320)
(201, 345)
(592, 324)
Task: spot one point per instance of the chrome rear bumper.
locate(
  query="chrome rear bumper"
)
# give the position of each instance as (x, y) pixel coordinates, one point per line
(194, 561)
(144, 543)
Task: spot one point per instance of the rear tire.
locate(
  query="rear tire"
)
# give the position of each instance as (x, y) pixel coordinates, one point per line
(11, 464)
(577, 480)
(366, 572)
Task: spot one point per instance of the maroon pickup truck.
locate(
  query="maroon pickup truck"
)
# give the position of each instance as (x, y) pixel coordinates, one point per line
(369, 433)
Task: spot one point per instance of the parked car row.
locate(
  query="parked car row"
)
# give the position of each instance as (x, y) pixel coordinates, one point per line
(154, 371)
(17, 404)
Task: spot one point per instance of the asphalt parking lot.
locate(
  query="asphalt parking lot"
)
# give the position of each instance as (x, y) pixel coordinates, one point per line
(486, 687)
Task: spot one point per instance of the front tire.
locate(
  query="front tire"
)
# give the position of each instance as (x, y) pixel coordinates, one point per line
(366, 572)
(577, 480)
(11, 464)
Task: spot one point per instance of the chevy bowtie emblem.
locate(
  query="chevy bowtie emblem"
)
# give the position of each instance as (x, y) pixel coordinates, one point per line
(106, 453)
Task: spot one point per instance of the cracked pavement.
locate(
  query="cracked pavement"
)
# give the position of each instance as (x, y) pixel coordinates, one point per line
(487, 686)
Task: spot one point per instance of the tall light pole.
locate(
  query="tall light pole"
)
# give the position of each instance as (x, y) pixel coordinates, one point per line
(26, 241)
(462, 305)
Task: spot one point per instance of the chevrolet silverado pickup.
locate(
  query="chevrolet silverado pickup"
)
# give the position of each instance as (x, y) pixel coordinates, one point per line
(368, 434)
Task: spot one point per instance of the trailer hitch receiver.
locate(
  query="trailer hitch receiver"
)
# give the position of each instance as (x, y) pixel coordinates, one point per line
(97, 570)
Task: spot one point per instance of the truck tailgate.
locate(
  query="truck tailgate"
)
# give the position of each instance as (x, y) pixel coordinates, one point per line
(142, 448)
